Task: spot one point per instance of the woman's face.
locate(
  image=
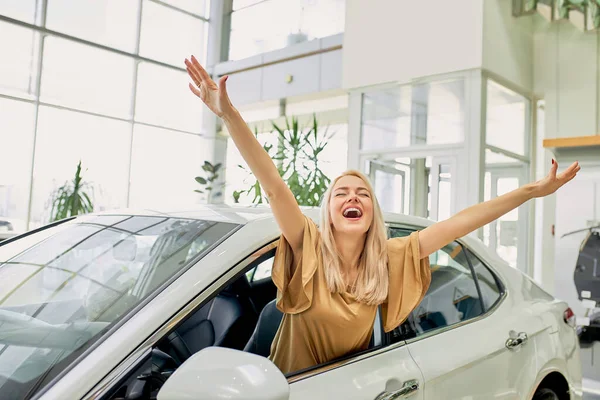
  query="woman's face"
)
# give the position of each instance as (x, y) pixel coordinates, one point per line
(351, 205)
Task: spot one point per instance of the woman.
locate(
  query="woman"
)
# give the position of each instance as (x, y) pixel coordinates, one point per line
(331, 280)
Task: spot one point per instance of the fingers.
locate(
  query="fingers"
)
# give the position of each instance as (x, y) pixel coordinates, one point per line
(195, 90)
(223, 84)
(570, 172)
(204, 76)
(197, 81)
(192, 72)
(553, 169)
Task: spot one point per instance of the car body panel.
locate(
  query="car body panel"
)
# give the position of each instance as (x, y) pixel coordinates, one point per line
(364, 379)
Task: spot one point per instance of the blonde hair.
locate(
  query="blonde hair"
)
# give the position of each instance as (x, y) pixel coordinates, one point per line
(372, 281)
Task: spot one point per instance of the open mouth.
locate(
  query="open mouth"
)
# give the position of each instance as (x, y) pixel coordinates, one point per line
(352, 213)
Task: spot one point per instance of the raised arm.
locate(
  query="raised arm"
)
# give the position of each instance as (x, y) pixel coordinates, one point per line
(440, 234)
(282, 201)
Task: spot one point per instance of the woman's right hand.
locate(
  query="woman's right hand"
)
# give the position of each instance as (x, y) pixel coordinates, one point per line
(215, 97)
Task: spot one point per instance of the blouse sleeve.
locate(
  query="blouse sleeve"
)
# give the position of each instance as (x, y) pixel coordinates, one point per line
(295, 292)
(409, 279)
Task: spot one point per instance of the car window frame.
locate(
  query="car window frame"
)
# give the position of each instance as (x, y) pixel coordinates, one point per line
(489, 311)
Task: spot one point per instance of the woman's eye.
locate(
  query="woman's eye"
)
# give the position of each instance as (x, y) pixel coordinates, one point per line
(340, 194)
(364, 194)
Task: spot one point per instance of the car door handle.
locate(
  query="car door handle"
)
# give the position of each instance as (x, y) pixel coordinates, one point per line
(407, 389)
(516, 340)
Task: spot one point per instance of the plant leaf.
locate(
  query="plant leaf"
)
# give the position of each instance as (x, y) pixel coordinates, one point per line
(201, 180)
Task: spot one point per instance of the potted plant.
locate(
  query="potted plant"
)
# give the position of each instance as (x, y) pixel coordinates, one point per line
(71, 198)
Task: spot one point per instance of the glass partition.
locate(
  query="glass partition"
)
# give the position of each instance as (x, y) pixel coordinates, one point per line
(422, 114)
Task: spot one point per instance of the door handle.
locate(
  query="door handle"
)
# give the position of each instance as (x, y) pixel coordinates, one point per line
(516, 340)
(409, 388)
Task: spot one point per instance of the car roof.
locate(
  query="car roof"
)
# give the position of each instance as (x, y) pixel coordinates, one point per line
(243, 215)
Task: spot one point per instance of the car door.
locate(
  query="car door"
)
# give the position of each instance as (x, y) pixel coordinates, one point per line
(366, 376)
(389, 370)
(471, 340)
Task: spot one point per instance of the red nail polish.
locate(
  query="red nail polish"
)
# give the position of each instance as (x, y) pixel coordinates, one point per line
(553, 161)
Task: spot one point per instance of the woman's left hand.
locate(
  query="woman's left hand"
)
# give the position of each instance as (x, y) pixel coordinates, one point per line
(552, 182)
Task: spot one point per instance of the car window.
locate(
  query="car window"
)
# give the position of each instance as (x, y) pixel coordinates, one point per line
(62, 288)
(261, 271)
(452, 296)
(488, 284)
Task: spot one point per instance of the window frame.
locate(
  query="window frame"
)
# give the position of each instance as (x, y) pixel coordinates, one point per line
(487, 312)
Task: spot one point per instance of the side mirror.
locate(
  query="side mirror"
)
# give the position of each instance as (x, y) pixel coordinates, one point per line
(222, 373)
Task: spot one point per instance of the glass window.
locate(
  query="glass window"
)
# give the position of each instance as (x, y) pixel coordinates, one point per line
(452, 296)
(16, 136)
(109, 22)
(24, 10)
(488, 285)
(76, 281)
(185, 35)
(83, 77)
(261, 271)
(492, 157)
(163, 167)
(198, 7)
(163, 98)
(18, 69)
(429, 113)
(64, 138)
(391, 182)
(255, 29)
(506, 118)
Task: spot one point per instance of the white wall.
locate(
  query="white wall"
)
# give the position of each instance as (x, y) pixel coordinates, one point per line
(567, 76)
(576, 205)
(508, 43)
(400, 40)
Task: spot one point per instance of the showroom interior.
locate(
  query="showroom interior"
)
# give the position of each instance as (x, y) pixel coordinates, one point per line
(479, 106)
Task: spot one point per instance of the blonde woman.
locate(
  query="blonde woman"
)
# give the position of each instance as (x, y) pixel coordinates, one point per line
(331, 279)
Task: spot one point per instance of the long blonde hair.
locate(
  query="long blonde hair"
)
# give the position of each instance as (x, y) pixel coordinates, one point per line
(372, 281)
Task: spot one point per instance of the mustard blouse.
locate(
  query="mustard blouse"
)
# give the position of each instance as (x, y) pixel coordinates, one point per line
(319, 326)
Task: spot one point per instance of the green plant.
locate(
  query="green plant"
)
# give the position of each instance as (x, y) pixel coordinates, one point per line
(298, 163)
(210, 187)
(71, 198)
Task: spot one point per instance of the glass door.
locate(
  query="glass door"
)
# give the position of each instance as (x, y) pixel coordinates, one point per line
(423, 187)
(508, 235)
(390, 183)
(442, 201)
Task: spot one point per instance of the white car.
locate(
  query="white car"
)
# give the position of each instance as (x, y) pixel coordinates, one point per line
(180, 305)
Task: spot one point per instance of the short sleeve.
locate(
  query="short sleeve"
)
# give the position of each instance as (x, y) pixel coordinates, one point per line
(409, 279)
(295, 292)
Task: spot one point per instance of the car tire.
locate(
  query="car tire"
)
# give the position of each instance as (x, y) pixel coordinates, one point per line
(545, 394)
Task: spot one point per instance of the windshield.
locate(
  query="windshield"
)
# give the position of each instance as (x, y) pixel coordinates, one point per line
(62, 288)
